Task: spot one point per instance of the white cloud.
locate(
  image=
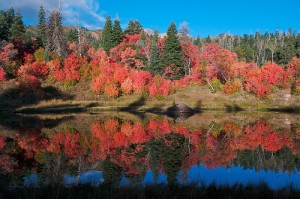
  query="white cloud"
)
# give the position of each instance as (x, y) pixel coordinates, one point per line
(87, 10)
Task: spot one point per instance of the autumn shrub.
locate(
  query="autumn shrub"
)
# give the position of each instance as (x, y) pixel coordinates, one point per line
(120, 74)
(111, 90)
(216, 85)
(127, 86)
(28, 82)
(182, 83)
(232, 87)
(72, 65)
(293, 71)
(159, 86)
(254, 83)
(98, 83)
(39, 54)
(7, 53)
(273, 74)
(140, 80)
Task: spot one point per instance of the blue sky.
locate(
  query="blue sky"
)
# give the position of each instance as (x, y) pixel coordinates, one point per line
(203, 17)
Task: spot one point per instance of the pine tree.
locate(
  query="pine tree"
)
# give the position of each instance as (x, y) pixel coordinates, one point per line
(10, 16)
(3, 26)
(208, 39)
(107, 35)
(143, 47)
(134, 27)
(154, 66)
(117, 33)
(55, 36)
(198, 42)
(17, 29)
(6, 21)
(41, 31)
(172, 53)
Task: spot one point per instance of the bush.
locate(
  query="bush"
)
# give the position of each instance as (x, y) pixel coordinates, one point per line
(232, 87)
(216, 84)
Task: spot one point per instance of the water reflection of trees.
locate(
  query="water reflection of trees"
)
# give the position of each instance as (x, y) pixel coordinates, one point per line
(131, 147)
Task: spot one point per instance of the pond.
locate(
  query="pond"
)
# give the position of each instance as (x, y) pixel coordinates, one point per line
(141, 149)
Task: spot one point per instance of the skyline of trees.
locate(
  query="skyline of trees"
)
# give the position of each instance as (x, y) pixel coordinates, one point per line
(138, 62)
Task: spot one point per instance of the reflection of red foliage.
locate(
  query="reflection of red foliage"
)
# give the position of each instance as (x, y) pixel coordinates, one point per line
(7, 163)
(2, 142)
(111, 125)
(126, 128)
(67, 142)
(272, 142)
(2, 75)
(31, 142)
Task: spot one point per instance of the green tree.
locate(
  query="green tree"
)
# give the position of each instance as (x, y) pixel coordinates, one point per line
(134, 27)
(154, 66)
(172, 54)
(72, 35)
(117, 33)
(41, 31)
(17, 29)
(107, 35)
(112, 173)
(142, 50)
(4, 28)
(198, 42)
(208, 39)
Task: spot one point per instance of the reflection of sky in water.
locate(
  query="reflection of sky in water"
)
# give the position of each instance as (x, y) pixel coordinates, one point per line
(197, 174)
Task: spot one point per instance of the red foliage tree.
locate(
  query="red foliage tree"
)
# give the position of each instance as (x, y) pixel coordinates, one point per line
(72, 65)
(7, 53)
(254, 83)
(190, 53)
(273, 74)
(111, 90)
(127, 86)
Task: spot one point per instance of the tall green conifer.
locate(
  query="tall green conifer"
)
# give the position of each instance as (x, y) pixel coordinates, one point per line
(107, 35)
(117, 33)
(172, 53)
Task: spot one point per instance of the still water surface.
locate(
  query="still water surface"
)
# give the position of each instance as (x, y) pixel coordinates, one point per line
(123, 148)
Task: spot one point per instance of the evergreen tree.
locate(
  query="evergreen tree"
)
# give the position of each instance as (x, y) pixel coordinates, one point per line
(112, 173)
(6, 21)
(3, 26)
(107, 35)
(10, 16)
(72, 35)
(17, 29)
(117, 33)
(198, 42)
(55, 36)
(134, 27)
(154, 66)
(208, 39)
(41, 31)
(142, 46)
(172, 53)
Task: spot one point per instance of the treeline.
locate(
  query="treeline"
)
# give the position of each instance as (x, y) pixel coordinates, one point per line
(260, 48)
(134, 61)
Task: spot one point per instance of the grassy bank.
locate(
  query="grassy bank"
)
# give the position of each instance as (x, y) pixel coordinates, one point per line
(59, 99)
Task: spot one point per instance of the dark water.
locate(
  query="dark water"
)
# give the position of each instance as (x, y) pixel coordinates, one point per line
(142, 149)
